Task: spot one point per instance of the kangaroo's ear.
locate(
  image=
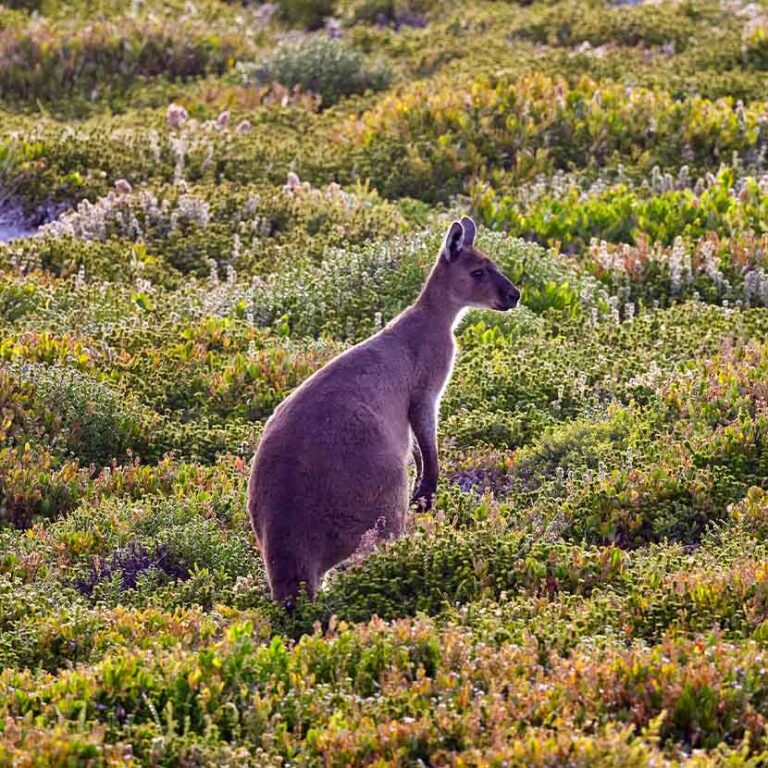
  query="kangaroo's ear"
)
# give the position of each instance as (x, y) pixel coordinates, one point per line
(454, 242)
(470, 230)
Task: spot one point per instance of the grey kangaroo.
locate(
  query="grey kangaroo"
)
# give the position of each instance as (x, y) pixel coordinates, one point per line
(331, 464)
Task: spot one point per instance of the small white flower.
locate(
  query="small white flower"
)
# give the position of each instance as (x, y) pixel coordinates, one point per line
(80, 278)
(292, 184)
(176, 116)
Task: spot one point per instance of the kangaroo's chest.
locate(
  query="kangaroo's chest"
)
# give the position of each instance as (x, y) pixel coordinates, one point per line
(436, 368)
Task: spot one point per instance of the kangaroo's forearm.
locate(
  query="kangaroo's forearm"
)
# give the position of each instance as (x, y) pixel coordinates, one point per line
(423, 424)
(417, 460)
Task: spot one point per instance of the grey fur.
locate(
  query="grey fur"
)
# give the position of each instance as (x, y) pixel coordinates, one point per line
(331, 464)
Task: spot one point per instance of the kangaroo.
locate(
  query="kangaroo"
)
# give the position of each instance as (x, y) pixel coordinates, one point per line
(332, 462)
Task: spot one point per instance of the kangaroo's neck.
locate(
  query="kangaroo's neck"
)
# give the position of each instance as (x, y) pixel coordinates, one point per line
(426, 329)
(436, 303)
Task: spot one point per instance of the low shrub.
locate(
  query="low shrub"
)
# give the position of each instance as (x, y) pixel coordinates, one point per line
(573, 24)
(623, 214)
(95, 422)
(395, 12)
(755, 45)
(41, 63)
(696, 693)
(246, 228)
(35, 484)
(324, 66)
(306, 13)
(428, 142)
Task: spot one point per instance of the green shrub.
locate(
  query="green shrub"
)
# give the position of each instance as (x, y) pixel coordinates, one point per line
(428, 141)
(323, 66)
(306, 13)
(717, 269)
(39, 64)
(392, 11)
(34, 484)
(755, 46)
(571, 24)
(31, 5)
(93, 420)
(245, 227)
(622, 214)
(65, 256)
(51, 170)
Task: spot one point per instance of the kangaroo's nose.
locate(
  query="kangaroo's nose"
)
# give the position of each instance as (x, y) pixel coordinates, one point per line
(513, 296)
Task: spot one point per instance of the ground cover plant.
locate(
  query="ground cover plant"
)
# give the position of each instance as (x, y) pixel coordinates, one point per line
(219, 198)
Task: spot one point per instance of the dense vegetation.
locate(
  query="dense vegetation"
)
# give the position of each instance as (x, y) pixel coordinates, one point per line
(226, 195)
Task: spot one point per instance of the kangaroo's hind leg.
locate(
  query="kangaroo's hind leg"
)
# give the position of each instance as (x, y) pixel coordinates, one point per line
(380, 514)
(288, 572)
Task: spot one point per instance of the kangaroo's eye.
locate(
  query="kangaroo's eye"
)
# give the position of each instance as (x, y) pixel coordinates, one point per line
(478, 273)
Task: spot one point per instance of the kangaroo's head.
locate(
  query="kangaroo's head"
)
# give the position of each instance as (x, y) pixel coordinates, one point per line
(469, 276)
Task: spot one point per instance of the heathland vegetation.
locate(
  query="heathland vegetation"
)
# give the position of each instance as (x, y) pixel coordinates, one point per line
(225, 196)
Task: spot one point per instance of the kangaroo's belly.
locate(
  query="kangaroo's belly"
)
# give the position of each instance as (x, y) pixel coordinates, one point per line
(339, 457)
